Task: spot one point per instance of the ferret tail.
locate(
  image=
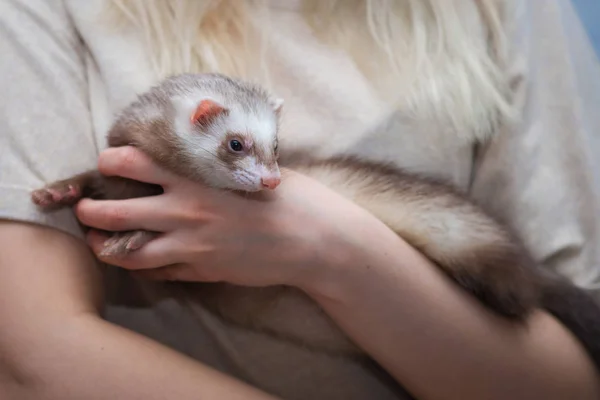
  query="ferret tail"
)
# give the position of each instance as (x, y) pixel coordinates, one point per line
(576, 309)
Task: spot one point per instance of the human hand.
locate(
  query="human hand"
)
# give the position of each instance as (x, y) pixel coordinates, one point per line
(287, 236)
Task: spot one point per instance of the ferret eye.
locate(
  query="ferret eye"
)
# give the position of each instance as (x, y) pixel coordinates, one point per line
(235, 145)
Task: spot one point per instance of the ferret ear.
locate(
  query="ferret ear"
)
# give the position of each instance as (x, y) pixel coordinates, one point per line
(277, 104)
(206, 112)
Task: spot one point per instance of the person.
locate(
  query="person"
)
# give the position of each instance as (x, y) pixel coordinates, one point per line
(497, 97)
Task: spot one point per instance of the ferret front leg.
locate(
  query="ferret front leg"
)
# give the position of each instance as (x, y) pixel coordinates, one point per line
(64, 193)
(122, 243)
(92, 184)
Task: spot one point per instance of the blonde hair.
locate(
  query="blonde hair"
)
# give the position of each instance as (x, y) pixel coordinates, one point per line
(441, 66)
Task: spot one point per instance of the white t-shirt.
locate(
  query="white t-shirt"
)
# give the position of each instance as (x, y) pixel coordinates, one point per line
(63, 75)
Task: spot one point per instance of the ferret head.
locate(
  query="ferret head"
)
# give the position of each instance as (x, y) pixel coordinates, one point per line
(230, 144)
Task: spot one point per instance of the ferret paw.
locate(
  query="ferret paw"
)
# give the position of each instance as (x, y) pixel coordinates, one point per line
(123, 243)
(56, 195)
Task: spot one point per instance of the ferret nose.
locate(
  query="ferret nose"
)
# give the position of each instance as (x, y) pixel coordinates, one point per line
(271, 182)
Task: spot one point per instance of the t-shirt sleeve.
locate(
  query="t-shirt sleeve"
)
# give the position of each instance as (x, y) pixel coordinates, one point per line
(543, 174)
(45, 123)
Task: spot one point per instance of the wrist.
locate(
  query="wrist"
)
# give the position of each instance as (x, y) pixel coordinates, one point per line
(338, 242)
(350, 254)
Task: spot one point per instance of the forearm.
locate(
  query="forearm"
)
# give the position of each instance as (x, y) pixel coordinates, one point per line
(53, 344)
(87, 358)
(439, 342)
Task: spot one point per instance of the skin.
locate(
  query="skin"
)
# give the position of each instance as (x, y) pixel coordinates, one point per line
(101, 360)
(381, 292)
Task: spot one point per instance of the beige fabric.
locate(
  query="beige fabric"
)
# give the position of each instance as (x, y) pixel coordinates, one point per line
(63, 74)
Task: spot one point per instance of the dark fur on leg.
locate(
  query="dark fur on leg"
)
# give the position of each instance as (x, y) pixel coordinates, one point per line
(64, 193)
(92, 184)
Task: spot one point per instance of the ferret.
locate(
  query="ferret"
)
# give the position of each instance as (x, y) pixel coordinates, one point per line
(223, 132)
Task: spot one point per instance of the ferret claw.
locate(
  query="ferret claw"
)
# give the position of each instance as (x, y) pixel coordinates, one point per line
(125, 242)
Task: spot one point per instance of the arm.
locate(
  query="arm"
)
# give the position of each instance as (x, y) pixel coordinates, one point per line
(53, 343)
(434, 338)
(539, 176)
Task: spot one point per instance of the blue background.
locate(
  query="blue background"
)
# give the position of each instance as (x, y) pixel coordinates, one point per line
(589, 13)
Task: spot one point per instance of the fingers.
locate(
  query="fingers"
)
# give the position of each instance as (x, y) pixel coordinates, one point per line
(157, 253)
(148, 213)
(130, 162)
